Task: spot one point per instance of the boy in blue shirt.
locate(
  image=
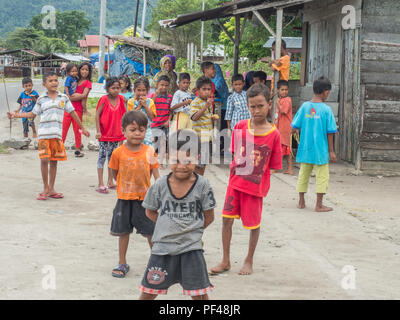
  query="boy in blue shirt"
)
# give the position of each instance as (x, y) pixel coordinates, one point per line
(72, 80)
(317, 126)
(27, 100)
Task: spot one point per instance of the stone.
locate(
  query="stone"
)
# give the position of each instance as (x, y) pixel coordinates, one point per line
(93, 146)
(17, 143)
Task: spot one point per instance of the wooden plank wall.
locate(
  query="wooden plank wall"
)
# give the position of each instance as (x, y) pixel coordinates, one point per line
(380, 79)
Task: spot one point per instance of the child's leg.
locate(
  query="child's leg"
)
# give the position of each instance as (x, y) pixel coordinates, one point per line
(110, 180)
(247, 267)
(123, 247)
(289, 165)
(52, 176)
(147, 296)
(34, 131)
(78, 136)
(44, 167)
(100, 177)
(110, 148)
(202, 297)
(225, 264)
(302, 183)
(100, 162)
(322, 181)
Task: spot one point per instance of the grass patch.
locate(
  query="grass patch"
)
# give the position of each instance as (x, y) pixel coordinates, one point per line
(89, 121)
(3, 149)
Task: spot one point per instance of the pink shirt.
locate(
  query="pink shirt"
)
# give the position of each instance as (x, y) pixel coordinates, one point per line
(79, 89)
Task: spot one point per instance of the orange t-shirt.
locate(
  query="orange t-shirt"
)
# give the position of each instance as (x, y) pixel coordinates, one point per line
(134, 171)
(284, 119)
(284, 69)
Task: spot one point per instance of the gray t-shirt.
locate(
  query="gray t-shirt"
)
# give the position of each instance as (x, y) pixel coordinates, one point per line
(180, 224)
(179, 97)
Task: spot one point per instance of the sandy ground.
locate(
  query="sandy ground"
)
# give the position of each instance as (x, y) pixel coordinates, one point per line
(301, 254)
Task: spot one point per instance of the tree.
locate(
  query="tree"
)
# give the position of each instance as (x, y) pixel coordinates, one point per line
(70, 26)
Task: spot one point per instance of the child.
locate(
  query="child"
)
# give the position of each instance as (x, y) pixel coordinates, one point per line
(282, 65)
(237, 103)
(71, 81)
(27, 100)
(180, 105)
(109, 112)
(317, 126)
(182, 206)
(283, 119)
(260, 77)
(202, 119)
(162, 101)
(208, 69)
(257, 149)
(140, 102)
(79, 101)
(50, 106)
(126, 88)
(132, 165)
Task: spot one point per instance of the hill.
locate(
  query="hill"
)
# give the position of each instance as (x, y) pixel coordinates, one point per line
(120, 13)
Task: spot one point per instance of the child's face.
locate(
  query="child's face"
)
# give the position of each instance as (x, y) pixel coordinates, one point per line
(51, 83)
(184, 84)
(115, 89)
(123, 84)
(209, 72)
(140, 91)
(258, 80)
(84, 72)
(205, 91)
(134, 133)
(238, 85)
(74, 72)
(182, 164)
(28, 87)
(259, 107)
(163, 86)
(283, 91)
(325, 95)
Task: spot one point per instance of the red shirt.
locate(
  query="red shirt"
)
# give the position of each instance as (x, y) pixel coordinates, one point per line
(79, 89)
(254, 156)
(110, 119)
(163, 105)
(284, 119)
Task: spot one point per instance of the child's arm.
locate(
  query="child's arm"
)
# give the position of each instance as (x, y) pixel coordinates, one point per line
(332, 155)
(149, 112)
(152, 215)
(208, 217)
(12, 115)
(203, 109)
(78, 121)
(97, 119)
(155, 173)
(178, 105)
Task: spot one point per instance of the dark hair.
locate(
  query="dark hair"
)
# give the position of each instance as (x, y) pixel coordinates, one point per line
(184, 76)
(48, 74)
(203, 80)
(283, 44)
(249, 80)
(164, 78)
(141, 80)
(69, 67)
(205, 65)
(282, 83)
(134, 116)
(258, 89)
(321, 85)
(184, 137)
(26, 80)
(110, 81)
(260, 75)
(128, 81)
(237, 77)
(89, 77)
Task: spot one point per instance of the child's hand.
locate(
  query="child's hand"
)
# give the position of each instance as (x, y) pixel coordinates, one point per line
(210, 102)
(85, 133)
(142, 101)
(166, 124)
(215, 117)
(11, 115)
(87, 113)
(98, 135)
(332, 156)
(187, 102)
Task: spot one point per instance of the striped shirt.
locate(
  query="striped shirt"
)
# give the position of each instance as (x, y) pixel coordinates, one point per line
(163, 105)
(237, 108)
(203, 126)
(51, 114)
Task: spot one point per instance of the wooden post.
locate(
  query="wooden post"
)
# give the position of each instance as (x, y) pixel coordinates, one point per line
(236, 48)
(144, 61)
(108, 58)
(278, 46)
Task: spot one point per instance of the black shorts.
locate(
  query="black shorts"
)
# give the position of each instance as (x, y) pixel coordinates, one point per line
(129, 214)
(189, 269)
(28, 123)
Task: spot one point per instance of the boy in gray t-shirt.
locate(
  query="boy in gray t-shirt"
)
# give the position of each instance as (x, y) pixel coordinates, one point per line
(182, 205)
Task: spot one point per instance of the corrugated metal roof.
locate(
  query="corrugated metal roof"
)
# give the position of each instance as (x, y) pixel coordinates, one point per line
(70, 57)
(28, 51)
(291, 42)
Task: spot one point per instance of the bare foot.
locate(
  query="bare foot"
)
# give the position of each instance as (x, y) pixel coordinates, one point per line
(247, 269)
(289, 172)
(222, 267)
(272, 171)
(301, 205)
(323, 209)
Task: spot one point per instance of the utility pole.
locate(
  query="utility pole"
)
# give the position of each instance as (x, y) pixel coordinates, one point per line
(202, 36)
(143, 19)
(136, 18)
(103, 12)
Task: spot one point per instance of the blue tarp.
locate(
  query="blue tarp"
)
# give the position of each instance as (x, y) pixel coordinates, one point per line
(95, 57)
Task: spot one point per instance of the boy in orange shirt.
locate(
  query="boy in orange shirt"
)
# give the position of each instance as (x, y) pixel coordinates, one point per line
(132, 164)
(282, 65)
(283, 119)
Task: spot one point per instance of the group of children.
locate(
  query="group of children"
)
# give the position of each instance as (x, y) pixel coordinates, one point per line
(173, 212)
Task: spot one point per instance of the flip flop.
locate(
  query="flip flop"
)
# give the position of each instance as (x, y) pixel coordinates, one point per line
(124, 268)
(102, 190)
(79, 154)
(56, 195)
(112, 187)
(212, 273)
(41, 196)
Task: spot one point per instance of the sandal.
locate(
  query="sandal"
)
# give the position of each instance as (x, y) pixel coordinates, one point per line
(102, 190)
(79, 154)
(124, 268)
(56, 195)
(42, 196)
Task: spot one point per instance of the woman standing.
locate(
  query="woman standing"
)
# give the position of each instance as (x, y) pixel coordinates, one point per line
(167, 65)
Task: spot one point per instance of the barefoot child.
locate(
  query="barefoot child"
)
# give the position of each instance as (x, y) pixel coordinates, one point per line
(50, 106)
(317, 126)
(283, 119)
(132, 164)
(27, 100)
(257, 149)
(109, 112)
(182, 206)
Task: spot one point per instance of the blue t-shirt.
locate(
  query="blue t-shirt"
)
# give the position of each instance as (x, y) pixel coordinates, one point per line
(316, 121)
(127, 95)
(71, 83)
(26, 101)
